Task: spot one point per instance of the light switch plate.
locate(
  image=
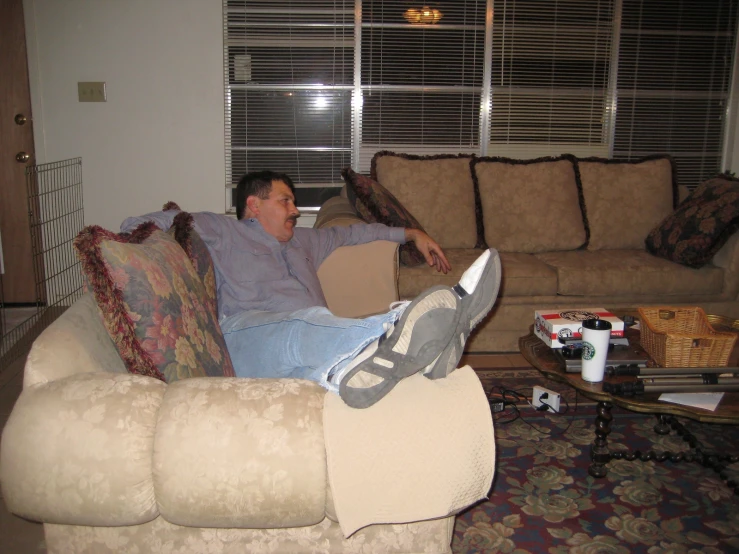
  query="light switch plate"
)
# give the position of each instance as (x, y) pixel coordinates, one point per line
(91, 91)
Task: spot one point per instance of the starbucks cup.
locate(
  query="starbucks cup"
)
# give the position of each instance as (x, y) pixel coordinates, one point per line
(596, 334)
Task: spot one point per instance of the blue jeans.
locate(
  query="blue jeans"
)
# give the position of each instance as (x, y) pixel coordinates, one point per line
(305, 344)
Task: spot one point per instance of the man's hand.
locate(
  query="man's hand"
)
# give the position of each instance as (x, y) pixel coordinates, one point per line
(431, 251)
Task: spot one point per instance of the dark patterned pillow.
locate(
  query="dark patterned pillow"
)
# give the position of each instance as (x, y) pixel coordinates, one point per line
(700, 225)
(375, 204)
(153, 303)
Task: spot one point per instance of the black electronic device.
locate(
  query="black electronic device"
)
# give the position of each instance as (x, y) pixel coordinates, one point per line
(630, 355)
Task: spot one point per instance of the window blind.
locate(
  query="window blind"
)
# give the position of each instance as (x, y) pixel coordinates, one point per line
(674, 79)
(289, 81)
(551, 62)
(421, 81)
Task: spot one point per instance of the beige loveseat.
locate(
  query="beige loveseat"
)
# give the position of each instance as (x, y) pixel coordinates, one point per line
(115, 462)
(570, 232)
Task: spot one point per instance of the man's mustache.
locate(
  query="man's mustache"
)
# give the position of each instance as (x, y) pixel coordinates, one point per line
(294, 218)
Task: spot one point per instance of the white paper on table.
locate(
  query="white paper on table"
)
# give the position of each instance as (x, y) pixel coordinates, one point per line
(705, 400)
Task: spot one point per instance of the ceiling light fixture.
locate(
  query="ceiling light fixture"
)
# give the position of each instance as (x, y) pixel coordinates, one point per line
(422, 16)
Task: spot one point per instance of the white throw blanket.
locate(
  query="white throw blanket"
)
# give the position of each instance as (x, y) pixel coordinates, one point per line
(424, 451)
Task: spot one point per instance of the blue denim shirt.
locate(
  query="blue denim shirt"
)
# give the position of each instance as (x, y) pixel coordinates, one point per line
(254, 271)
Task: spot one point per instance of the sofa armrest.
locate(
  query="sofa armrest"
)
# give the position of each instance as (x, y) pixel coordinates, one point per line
(336, 211)
(728, 259)
(360, 280)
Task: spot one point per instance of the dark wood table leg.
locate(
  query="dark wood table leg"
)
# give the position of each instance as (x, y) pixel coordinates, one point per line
(663, 425)
(716, 461)
(599, 454)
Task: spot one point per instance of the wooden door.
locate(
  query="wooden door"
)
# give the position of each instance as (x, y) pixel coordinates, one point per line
(15, 99)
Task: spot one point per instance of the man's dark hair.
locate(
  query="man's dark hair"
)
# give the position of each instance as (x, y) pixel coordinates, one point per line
(259, 184)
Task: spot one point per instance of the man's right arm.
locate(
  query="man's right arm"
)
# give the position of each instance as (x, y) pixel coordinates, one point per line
(163, 220)
(325, 241)
(210, 227)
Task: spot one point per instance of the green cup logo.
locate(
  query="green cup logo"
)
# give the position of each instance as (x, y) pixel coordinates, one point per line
(588, 351)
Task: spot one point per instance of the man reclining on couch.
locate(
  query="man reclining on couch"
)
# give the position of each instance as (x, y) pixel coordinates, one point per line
(273, 313)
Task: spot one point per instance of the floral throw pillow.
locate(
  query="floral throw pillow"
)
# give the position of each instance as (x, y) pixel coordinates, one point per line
(153, 303)
(700, 225)
(195, 248)
(375, 204)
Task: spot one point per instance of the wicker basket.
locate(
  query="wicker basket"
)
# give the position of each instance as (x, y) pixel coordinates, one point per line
(683, 337)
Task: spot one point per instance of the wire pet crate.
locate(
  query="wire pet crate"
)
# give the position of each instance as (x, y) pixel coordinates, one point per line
(55, 217)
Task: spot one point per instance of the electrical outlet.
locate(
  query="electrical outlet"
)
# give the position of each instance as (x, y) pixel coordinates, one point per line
(545, 396)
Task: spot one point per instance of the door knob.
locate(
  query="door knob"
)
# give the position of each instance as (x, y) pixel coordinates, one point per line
(20, 119)
(22, 157)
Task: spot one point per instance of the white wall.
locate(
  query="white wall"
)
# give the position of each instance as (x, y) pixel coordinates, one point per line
(159, 136)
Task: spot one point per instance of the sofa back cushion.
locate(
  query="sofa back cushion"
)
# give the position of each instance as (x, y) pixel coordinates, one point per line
(530, 206)
(437, 190)
(153, 303)
(625, 200)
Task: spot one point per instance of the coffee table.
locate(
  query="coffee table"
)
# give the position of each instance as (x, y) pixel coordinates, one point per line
(543, 358)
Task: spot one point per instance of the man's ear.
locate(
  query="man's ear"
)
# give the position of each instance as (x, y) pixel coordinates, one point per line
(252, 206)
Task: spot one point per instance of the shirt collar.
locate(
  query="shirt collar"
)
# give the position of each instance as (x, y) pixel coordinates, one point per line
(265, 237)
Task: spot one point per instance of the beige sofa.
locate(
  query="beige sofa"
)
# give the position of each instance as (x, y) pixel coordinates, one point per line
(570, 232)
(115, 462)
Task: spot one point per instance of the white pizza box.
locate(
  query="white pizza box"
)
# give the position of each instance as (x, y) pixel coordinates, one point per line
(551, 325)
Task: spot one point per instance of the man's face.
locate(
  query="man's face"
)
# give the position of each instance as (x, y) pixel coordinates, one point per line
(277, 213)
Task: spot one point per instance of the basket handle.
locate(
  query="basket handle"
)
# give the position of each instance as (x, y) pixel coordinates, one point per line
(667, 314)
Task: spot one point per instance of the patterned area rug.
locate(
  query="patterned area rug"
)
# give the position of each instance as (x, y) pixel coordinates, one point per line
(544, 500)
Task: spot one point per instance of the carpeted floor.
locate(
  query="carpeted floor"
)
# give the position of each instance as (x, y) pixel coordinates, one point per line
(544, 500)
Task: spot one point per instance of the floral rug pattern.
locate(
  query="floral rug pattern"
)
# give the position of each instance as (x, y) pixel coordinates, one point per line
(544, 500)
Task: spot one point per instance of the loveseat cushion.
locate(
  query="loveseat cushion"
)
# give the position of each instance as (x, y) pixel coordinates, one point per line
(523, 274)
(375, 204)
(438, 190)
(153, 303)
(241, 453)
(530, 205)
(700, 226)
(625, 200)
(629, 273)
